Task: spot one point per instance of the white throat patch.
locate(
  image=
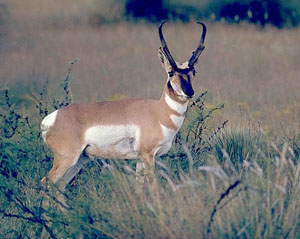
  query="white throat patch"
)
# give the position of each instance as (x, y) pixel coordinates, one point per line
(176, 106)
(177, 120)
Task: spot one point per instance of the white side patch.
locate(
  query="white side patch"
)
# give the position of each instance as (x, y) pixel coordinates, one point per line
(122, 140)
(166, 143)
(174, 105)
(47, 123)
(177, 120)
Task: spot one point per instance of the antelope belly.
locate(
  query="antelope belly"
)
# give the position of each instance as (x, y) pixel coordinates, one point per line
(113, 141)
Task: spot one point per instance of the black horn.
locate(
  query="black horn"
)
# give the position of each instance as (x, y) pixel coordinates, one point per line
(165, 47)
(200, 47)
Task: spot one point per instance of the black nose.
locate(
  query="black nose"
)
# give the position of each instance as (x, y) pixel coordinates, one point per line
(190, 96)
(187, 88)
(189, 92)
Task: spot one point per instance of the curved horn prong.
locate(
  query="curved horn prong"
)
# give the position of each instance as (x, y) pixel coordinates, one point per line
(200, 47)
(165, 47)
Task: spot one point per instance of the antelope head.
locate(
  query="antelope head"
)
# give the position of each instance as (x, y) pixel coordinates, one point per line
(180, 76)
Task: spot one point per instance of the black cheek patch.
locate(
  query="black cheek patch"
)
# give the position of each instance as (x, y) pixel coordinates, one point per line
(186, 86)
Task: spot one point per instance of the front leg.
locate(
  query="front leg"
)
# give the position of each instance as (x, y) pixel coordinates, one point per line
(148, 161)
(140, 176)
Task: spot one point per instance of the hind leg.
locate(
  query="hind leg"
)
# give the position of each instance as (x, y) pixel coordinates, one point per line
(55, 197)
(62, 163)
(60, 166)
(74, 170)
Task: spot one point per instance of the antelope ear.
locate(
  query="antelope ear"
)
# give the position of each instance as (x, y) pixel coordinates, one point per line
(164, 60)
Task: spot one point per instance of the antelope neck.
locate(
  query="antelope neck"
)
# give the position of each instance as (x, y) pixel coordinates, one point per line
(174, 102)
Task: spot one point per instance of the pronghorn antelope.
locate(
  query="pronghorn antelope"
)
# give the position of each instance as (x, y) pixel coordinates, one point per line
(126, 129)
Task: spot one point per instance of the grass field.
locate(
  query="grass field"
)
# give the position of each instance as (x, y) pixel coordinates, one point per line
(237, 181)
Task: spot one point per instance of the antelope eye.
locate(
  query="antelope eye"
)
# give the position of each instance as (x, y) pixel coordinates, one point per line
(171, 73)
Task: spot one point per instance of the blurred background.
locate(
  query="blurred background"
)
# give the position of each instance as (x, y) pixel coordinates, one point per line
(251, 60)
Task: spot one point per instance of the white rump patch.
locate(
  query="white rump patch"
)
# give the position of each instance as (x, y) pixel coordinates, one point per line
(114, 140)
(176, 106)
(177, 120)
(47, 123)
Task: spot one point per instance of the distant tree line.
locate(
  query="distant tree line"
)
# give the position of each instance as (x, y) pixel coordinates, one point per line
(279, 13)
